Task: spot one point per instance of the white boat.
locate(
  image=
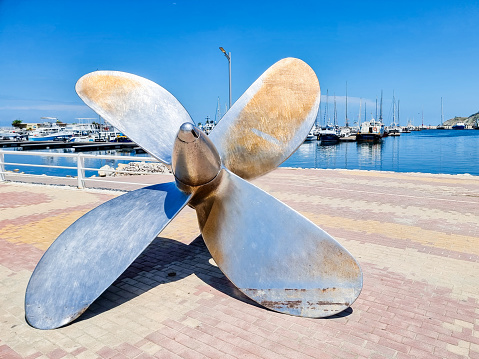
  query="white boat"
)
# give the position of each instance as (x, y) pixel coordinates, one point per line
(310, 137)
(372, 130)
(11, 136)
(89, 138)
(330, 134)
(459, 126)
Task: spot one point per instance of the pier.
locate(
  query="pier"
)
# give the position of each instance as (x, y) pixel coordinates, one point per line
(414, 235)
(76, 146)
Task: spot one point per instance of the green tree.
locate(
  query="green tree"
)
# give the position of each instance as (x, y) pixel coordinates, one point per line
(16, 123)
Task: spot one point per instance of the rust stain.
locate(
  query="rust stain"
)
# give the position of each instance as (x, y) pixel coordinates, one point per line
(287, 95)
(107, 90)
(336, 262)
(282, 304)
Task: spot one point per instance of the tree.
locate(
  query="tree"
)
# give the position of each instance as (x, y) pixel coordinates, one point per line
(16, 123)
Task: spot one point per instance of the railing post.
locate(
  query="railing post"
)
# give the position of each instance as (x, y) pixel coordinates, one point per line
(80, 171)
(2, 166)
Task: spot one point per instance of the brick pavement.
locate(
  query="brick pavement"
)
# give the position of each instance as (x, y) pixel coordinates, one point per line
(415, 236)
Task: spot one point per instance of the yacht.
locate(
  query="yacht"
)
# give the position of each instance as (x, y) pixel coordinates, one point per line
(372, 130)
(330, 134)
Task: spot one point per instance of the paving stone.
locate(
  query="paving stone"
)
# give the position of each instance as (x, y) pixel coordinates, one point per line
(415, 236)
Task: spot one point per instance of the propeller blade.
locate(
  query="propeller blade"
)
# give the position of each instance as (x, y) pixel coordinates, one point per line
(270, 120)
(274, 255)
(144, 111)
(95, 250)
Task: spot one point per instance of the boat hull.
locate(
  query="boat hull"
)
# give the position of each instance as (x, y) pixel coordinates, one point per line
(368, 137)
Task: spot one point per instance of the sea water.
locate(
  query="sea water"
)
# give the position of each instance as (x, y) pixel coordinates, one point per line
(427, 151)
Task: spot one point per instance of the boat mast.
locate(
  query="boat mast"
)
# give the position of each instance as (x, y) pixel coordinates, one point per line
(335, 111)
(422, 117)
(218, 111)
(381, 108)
(327, 107)
(359, 117)
(319, 115)
(347, 122)
(365, 115)
(398, 113)
(376, 108)
(394, 110)
(442, 115)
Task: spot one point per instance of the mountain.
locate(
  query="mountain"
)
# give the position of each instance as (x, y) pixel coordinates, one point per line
(471, 120)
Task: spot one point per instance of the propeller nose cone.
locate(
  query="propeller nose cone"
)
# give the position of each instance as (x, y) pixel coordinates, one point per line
(188, 132)
(195, 160)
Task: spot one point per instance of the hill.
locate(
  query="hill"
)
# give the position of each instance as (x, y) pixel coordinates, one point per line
(471, 120)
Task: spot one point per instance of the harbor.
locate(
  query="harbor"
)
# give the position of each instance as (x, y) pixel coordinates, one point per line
(426, 151)
(202, 180)
(414, 236)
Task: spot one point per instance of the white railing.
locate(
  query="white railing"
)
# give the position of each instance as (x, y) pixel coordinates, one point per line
(80, 165)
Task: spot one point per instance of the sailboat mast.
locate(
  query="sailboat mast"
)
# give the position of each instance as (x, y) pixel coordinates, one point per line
(319, 115)
(394, 110)
(347, 122)
(335, 111)
(359, 117)
(381, 108)
(218, 111)
(398, 114)
(327, 106)
(442, 115)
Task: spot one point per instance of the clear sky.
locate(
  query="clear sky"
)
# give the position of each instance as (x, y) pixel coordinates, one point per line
(422, 50)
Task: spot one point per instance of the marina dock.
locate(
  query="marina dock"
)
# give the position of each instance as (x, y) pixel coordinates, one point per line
(414, 235)
(76, 146)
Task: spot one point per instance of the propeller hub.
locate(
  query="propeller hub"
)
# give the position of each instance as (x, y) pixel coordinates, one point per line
(195, 160)
(188, 132)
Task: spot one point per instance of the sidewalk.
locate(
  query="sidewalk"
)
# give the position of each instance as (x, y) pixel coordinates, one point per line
(415, 235)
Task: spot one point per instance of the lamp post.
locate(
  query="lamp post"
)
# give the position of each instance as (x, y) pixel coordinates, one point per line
(228, 56)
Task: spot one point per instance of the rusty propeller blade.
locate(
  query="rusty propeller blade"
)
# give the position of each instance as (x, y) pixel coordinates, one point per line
(270, 120)
(273, 254)
(144, 111)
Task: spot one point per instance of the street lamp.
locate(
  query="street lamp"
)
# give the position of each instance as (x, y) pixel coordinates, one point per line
(228, 56)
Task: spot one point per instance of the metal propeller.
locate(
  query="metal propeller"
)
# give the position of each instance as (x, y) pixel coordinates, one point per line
(270, 252)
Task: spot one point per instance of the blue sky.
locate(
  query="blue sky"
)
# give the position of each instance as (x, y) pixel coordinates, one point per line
(421, 50)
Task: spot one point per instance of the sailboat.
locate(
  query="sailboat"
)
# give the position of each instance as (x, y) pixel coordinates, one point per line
(441, 126)
(330, 134)
(394, 129)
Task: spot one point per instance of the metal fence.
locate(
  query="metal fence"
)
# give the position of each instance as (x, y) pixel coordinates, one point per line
(80, 165)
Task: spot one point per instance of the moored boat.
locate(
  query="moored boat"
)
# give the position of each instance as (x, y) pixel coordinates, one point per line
(371, 131)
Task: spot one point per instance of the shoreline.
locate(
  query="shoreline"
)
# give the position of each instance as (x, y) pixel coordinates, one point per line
(122, 183)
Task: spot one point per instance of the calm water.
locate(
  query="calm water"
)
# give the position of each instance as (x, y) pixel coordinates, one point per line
(428, 151)
(66, 161)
